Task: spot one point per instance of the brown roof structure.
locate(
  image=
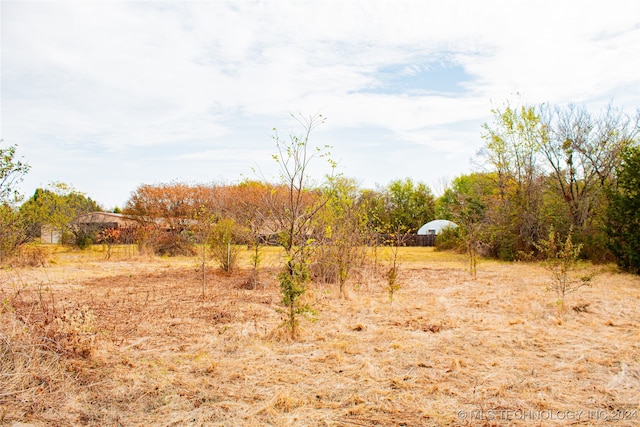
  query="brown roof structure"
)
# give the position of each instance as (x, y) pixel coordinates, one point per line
(106, 220)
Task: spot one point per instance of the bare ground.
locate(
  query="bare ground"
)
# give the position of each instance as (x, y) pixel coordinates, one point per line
(138, 344)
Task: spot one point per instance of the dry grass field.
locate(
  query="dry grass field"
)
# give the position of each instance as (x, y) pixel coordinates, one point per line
(132, 341)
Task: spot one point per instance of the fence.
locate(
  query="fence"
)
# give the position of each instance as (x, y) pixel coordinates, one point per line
(410, 240)
(422, 240)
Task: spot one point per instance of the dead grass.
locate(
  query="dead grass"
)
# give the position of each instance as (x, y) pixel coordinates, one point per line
(165, 355)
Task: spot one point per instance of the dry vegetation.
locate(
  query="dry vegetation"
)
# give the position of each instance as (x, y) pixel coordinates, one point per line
(131, 341)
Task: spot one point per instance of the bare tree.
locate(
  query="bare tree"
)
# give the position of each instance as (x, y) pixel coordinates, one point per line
(583, 151)
(294, 207)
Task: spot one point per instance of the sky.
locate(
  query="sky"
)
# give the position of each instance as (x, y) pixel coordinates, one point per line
(107, 95)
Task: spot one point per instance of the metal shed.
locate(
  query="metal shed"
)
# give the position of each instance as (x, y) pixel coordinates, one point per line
(435, 227)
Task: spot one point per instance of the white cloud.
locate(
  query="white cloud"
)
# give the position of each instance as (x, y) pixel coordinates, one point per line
(168, 80)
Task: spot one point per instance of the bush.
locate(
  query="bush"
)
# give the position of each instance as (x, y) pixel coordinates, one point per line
(36, 342)
(450, 239)
(560, 257)
(222, 245)
(173, 244)
(31, 255)
(595, 246)
(85, 236)
(12, 231)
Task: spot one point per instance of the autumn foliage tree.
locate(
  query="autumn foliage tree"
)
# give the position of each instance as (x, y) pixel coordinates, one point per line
(166, 212)
(583, 151)
(551, 166)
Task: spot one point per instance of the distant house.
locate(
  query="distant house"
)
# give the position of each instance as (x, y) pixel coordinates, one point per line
(102, 220)
(90, 225)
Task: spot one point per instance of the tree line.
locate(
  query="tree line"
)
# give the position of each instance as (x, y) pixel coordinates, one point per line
(542, 168)
(548, 168)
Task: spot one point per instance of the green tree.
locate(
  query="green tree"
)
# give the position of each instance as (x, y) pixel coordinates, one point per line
(12, 229)
(12, 172)
(221, 244)
(466, 203)
(623, 222)
(512, 151)
(58, 206)
(409, 205)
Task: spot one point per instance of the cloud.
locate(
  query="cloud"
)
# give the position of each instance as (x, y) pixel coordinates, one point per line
(162, 82)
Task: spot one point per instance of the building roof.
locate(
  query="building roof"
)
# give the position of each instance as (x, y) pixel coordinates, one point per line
(436, 226)
(105, 217)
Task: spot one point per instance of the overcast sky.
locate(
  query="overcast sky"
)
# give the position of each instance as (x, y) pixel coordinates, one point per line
(107, 96)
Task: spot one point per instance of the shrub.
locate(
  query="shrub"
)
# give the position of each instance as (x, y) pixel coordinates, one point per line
(36, 341)
(560, 258)
(221, 244)
(173, 244)
(450, 239)
(293, 279)
(12, 231)
(31, 255)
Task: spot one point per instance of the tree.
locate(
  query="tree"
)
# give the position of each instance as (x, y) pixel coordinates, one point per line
(294, 214)
(221, 244)
(340, 233)
(167, 212)
(623, 221)
(409, 205)
(583, 151)
(202, 231)
(58, 206)
(513, 154)
(12, 230)
(12, 172)
(560, 257)
(396, 240)
(466, 203)
(174, 203)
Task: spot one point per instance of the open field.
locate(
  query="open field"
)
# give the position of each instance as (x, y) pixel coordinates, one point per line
(133, 342)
